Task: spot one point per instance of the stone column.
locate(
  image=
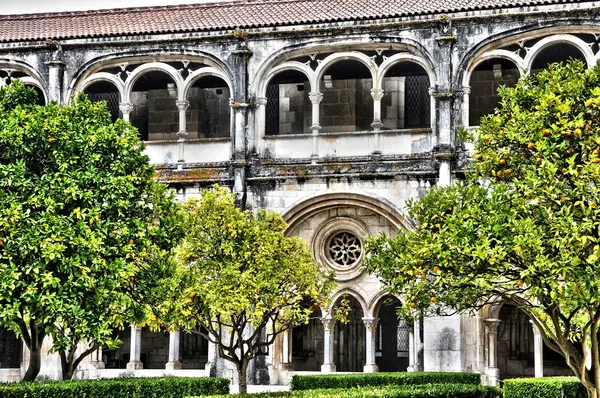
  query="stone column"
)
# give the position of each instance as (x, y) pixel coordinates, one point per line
(286, 351)
(126, 109)
(492, 372)
(211, 364)
(465, 105)
(371, 326)
(96, 359)
(411, 349)
(261, 112)
(377, 124)
(328, 329)
(538, 351)
(173, 363)
(182, 133)
(136, 347)
(315, 99)
(55, 78)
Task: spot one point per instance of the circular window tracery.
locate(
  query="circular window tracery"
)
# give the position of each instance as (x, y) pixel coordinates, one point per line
(344, 249)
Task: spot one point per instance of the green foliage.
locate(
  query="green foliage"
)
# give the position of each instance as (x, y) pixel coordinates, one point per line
(547, 387)
(314, 382)
(171, 387)
(85, 230)
(523, 227)
(239, 274)
(408, 391)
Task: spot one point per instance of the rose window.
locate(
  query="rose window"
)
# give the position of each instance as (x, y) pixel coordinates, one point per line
(344, 249)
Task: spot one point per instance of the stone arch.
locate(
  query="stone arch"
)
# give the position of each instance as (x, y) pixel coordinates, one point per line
(494, 54)
(354, 294)
(344, 56)
(203, 72)
(556, 39)
(290, 65)
(378, 299)
(151, 67)
(32, 78)
(392, 336)
(140, 56)
(318, 202)
(104, 77)
(404, 57)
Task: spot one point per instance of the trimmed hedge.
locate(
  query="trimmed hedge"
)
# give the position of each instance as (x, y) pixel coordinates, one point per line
(381, 379)
(169, 387)
(408, 391)
(545, 387)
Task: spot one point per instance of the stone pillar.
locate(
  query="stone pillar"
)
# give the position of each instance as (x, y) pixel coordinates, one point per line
(96, 359)
(182, 133)
(328, 329)
(377, 124)
(465, 105)
(211, 364)
(261, 112)
(173, 363)
(411, 349)
(55, 78)
(371, 326)
(315, 99)
(126, 109)
(286, 351)
(538, 351)
(492, 372)
(135, 351)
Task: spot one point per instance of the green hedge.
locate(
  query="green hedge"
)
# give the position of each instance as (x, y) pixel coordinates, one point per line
(169, 387)
(545, 387)
(408, 391)
(381, 379)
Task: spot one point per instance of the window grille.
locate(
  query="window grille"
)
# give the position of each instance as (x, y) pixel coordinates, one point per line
(272, 110)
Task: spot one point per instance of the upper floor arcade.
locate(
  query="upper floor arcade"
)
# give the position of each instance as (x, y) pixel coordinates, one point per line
(388, 90)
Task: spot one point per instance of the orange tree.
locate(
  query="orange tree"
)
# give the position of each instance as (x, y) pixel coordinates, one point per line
(241, 282)
(85, 230)
(523, 227)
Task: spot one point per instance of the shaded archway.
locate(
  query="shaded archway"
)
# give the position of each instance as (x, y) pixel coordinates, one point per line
(307, 344)
(119, 357)
(349, 353)
(103, 90)
(558, 52)
(288, 109)
(11, 349)
(193, 350)
(515, 347)
(155, 112)
(347, 103)
(485, 80)
(406, 102)
(392, 341)
(208, 114)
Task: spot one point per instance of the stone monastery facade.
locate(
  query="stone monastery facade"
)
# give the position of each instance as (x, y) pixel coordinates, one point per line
(333, 113)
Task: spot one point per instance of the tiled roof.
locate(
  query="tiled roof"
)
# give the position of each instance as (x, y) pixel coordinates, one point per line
(229, 15)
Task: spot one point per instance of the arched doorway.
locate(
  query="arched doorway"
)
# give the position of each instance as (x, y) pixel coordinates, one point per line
(349, 340)
(307, 344)
(392, 339)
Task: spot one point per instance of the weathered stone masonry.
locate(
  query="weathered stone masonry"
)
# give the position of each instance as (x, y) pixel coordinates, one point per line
(334, 124)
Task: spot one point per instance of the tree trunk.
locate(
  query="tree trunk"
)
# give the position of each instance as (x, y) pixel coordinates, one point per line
(35, 364)
(242, 370)
(66, 367)
(35, 353)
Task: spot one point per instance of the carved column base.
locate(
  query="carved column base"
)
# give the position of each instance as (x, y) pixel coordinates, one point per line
(370, 368)
(328, 368)
(135, 365)
(173, 365)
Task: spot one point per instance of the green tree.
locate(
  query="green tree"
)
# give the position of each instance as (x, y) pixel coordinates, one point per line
(84, 227)
(523, 227)
(241, 281)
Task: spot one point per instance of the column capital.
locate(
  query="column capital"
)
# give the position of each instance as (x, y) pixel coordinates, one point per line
(466, 89)
(182, 105)
(315, 98)
(371, 323)
(492, 325)
(377, 93)
(261, 101)
(536, 330)
(329, 324)
(126, 107)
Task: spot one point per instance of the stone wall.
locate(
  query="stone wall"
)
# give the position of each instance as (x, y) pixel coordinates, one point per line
(484, 91)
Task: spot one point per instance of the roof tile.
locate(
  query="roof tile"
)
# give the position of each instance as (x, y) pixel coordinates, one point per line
(227, 15)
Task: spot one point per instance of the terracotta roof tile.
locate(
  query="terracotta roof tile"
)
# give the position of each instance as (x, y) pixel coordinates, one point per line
(228, 15)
